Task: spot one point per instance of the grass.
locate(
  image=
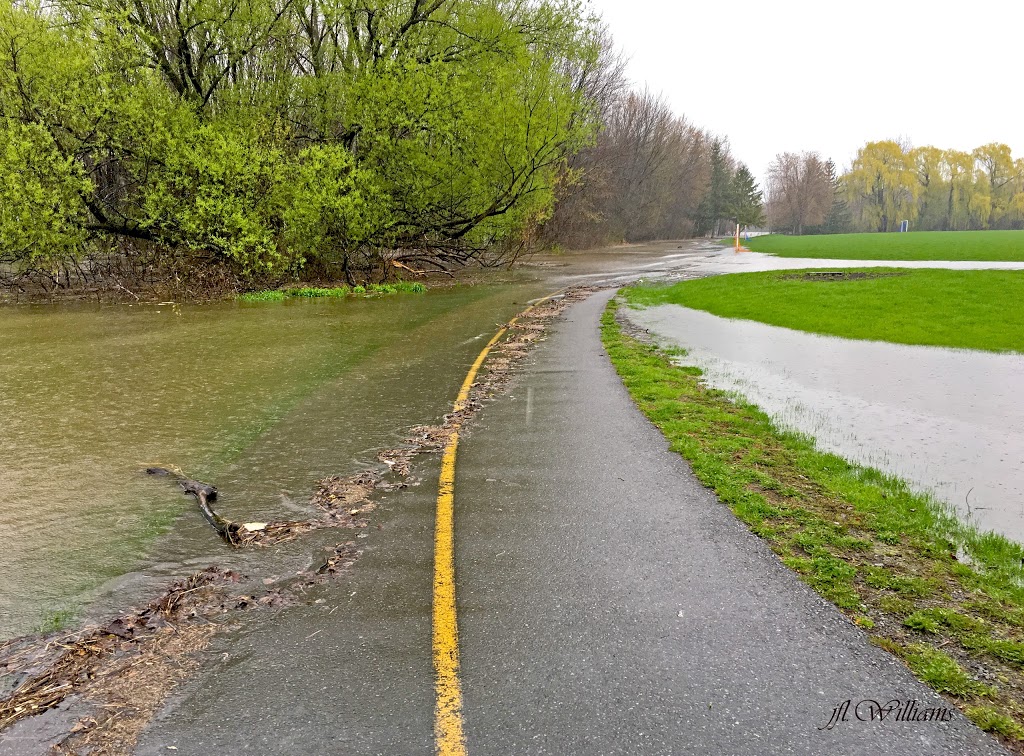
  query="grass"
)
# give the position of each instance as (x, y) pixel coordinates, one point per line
(886, 556)
(989, 246)
(262, 296)
(56, 620)
(971, 309)
(276, 295)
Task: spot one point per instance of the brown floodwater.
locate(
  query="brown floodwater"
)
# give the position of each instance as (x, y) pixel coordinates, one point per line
(262, 400)
(949, 421)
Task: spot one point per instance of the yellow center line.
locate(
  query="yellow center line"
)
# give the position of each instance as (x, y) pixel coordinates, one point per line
(448, 731)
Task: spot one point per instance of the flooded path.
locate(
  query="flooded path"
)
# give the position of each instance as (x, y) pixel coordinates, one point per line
(949, 421)
(262, 400)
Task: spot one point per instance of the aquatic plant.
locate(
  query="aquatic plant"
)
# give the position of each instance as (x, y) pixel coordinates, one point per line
(275, 295)
(315, 291)
(262, 296)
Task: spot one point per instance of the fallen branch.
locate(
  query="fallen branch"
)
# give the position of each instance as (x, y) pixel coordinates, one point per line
(235, 533)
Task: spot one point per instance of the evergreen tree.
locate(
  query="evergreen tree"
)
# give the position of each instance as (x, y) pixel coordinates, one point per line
(838, 219)
(717, 203)
(746, 198)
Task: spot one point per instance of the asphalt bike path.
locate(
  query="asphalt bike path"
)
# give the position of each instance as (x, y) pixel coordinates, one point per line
(609, 604)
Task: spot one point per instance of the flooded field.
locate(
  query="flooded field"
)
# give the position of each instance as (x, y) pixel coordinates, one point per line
(719, 259)
(261, 400)
(949, 421)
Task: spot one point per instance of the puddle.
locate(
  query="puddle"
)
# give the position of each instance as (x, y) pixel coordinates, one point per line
(949, 421)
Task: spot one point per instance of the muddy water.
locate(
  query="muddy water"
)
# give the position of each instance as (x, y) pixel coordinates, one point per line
(949, 421)
(261, 400)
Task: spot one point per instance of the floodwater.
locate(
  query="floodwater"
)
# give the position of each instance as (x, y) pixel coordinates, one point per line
(718, 259)
(261, 400)
(949, 421)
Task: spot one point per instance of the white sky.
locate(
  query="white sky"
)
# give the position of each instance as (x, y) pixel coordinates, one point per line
(830, 75)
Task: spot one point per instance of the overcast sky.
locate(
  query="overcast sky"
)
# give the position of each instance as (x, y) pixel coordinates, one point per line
(793, 75)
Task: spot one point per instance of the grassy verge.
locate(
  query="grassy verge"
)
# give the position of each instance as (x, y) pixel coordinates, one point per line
(989, 246)
(945, 598)
(276, 295)
(972, 309)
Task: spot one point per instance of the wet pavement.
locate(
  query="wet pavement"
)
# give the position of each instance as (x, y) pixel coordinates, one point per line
(719, 259)
(608, 604)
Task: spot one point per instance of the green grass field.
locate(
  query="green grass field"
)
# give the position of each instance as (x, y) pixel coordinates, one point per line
(989, 246)
(972, 309)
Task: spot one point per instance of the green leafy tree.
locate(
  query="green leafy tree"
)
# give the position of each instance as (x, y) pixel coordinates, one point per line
(426, 129)
(882, 180)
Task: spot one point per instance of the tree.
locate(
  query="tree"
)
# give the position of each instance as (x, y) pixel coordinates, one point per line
(935, 189)
(838, 219)
(882, 184)
(746, 198)
(643, 178)
(928, 169)
(997, 174)
(428, 130)
(800, 192)
(965, 206)
(718, 203)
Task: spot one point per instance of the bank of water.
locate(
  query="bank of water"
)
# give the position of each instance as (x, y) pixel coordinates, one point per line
(949, 421)
(260, 399)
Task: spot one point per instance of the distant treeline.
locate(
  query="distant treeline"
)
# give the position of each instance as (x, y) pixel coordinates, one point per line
(330, 138)
(650, 173)
(889, 182)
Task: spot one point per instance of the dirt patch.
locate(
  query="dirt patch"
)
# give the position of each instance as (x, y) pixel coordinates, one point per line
(838, 275)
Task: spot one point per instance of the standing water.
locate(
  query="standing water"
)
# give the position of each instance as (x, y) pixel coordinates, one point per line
(261, 400)
(949, 421)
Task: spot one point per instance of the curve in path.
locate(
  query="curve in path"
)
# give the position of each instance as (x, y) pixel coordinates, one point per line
(609, 603)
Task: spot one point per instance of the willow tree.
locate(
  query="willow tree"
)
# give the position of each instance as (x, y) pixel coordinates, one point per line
(276, 134)
(883, 185)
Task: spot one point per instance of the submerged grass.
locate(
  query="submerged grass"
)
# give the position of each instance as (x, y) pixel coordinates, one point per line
(971, 309)
(989, 246)
(887, 557)
(276, 295)
(262, 296)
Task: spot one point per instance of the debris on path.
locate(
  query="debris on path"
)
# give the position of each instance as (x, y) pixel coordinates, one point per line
(126, 668)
